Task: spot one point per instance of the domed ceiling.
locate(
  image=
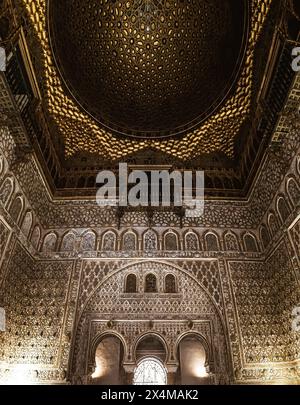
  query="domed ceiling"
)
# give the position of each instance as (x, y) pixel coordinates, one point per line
(154, 83)
(149, 68)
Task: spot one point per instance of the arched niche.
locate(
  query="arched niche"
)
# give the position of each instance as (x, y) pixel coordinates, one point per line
(193, 355)
(151, 345)
(50, 241)
(250, 243)
(109, 355)
(131, 284)
(171, 241)
(27, 223)
(16, 208)
(170, 286)
(35, 236)
(293, 191)
(212, 242)
(68, 242)
(283, 209)
(273, 223)
(265, 236)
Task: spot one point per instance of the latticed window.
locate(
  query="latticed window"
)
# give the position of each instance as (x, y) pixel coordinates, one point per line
(150, 372)
(88, 241)
(108, 243)
(150, 241)
(68, 243)
(170, 284)
(231, 243)
(151, 285)
(131, 283)
(129, 241)
(191, 242)
(50, 243)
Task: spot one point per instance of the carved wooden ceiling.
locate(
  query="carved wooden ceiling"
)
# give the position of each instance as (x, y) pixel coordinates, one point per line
(191, 84)
(149, 68)
(78, 55)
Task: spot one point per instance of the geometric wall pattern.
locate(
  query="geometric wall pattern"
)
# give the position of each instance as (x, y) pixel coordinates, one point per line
(266, 294)
(64, 263)
(131, 315)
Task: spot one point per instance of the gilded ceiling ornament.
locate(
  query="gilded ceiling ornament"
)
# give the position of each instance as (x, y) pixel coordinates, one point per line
(214, 132)
(147, 15)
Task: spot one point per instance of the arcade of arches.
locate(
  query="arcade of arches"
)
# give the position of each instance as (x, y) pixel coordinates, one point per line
(147, 295)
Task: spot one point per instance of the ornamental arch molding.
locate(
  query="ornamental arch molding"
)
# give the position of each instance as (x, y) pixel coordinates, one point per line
(95, 342)
(146, 335)
(202, 339)
(109, 310)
